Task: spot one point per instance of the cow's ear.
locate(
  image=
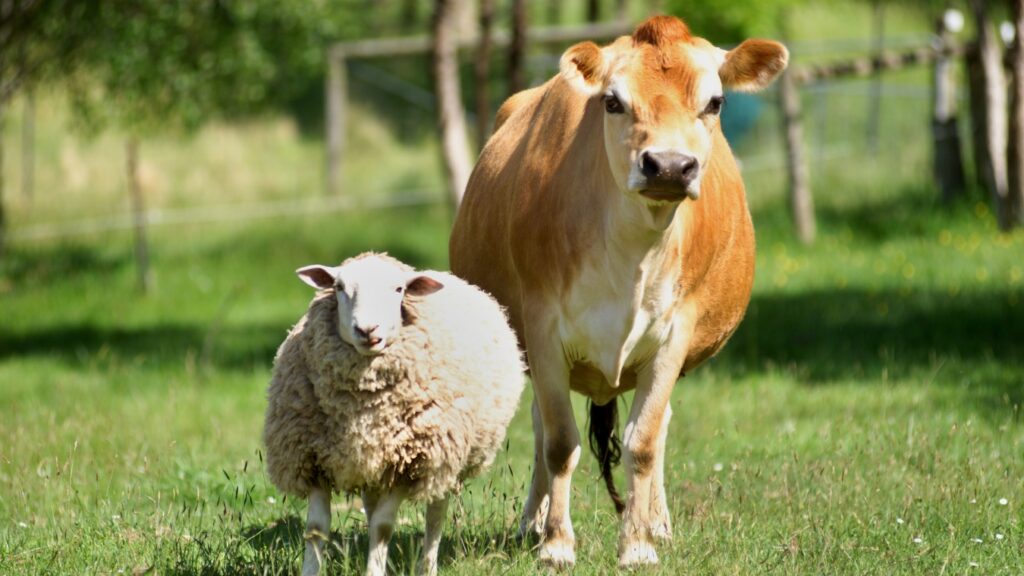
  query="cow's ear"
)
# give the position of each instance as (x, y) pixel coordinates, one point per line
(583, 65)
(753, 65)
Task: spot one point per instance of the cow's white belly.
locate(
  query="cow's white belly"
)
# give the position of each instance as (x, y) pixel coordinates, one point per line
(613, 321)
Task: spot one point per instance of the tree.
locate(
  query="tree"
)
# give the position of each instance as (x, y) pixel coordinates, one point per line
(482, 72)
(450, 115)
(987, 87)
(1012, 208)
(517, 48)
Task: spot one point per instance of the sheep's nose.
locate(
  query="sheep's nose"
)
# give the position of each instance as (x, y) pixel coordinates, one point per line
(366, 333)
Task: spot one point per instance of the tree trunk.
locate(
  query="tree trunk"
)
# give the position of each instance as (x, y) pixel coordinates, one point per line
(875, 103)
(517, 48)
(621, 10)
(482, 72)
(451, 117)
(28, 146)
(1014, 212)
(801, 204)
(987, 87)
(947, 164)
(593, 10)
(138, 215)
(3, 215)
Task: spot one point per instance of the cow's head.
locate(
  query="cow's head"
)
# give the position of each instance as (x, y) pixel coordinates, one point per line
(662, 93)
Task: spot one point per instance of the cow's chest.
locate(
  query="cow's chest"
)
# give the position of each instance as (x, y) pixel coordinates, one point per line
(613, 321)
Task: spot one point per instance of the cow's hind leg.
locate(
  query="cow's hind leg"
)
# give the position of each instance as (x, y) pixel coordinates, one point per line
(536, 510)
(561, 446)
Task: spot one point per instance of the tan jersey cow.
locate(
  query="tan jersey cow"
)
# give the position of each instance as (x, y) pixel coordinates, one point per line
(608, 214)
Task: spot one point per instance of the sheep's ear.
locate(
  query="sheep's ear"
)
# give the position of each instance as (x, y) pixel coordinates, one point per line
(317, 276)
(422, 286)
(583, 65)
(753, 65)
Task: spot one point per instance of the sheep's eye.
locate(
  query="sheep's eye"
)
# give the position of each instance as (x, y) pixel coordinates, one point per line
(613, 105)
(714, 107)
(400, 289)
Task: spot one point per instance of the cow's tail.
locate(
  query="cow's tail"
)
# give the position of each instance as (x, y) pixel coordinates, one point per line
(603, 430)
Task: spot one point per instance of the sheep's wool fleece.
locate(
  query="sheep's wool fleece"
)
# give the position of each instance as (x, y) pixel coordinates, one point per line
(429, 411)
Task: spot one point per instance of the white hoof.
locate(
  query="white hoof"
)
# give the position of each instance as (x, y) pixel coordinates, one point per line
(661, 531)
(557, 555)
(638, 554)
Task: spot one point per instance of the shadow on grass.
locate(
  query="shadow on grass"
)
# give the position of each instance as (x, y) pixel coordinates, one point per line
(235, 347)
(836, 335)
(274, 548)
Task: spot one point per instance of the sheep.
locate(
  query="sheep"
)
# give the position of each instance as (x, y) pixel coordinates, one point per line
(397, 384)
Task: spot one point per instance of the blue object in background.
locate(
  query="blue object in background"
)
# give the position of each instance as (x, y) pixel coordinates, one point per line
(740, 112)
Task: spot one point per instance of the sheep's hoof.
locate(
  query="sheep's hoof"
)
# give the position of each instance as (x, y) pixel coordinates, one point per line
(637, 554)
(558, 555)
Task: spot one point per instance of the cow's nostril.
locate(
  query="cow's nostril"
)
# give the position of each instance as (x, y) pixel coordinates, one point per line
(689, 168)
(649, 166)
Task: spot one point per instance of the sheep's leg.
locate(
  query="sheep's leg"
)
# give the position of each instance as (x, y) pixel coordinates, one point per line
(436, 512)
(661, 523)
(318, 530)
(536, 510)
(382, 524)
(640, 440)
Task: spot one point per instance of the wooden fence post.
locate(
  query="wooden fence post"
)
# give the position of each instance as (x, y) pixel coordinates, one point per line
(28, 145)
(947, 162)
(336, 94)
(875, 99)
(138, 214)
(801, 204)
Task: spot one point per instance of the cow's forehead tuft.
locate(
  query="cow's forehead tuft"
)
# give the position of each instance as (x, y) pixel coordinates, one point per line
(661, 31)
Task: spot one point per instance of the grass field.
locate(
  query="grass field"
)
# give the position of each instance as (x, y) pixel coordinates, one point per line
(865, 419)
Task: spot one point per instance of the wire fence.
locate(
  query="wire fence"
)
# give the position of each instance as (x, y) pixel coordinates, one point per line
(836, 123)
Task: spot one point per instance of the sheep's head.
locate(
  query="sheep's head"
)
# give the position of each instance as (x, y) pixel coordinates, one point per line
(371, 292)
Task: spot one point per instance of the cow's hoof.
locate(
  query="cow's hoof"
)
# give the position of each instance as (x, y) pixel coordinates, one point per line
(661, 531)
(557, 555)
(637, 554)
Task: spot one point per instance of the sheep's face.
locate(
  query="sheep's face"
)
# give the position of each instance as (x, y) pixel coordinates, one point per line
(370, 292)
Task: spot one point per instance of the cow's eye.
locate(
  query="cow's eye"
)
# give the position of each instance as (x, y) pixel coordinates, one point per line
(613, 105)
(714, 106)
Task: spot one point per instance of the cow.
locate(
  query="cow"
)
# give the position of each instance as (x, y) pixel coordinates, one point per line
(608, 215)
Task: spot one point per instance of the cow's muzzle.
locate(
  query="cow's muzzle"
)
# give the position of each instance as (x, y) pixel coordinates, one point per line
(669, 175)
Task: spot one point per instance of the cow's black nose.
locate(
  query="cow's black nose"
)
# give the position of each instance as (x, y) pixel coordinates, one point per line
(668, 166)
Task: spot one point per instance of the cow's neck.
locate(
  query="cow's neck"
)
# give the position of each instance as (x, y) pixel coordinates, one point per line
(621, 307)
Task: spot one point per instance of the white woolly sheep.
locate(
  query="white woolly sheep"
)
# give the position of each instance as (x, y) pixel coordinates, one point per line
(397, 384)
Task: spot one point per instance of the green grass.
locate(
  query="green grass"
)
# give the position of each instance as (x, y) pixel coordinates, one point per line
(865, 418)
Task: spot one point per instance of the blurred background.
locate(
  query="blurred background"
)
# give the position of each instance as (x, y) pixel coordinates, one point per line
(165, 166)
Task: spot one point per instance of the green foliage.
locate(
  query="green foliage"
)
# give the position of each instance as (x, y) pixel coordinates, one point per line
(731, 22)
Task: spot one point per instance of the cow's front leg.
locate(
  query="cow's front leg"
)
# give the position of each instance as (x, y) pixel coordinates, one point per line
(661, 523)
(644, 429)
(536, 510)
(561, 444)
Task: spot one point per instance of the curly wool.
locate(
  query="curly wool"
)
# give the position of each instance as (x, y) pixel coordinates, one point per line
(427, 413)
